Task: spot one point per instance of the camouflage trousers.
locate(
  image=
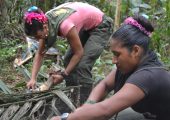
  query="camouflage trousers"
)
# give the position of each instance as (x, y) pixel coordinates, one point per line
(93, 41)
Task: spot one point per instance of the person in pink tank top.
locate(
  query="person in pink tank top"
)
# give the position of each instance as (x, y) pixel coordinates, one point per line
(87, 30)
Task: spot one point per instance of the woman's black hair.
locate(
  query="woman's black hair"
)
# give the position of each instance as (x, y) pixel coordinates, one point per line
(31, 29)
(131, 35)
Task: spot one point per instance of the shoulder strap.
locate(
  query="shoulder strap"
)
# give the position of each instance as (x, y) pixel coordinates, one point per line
(55, 17)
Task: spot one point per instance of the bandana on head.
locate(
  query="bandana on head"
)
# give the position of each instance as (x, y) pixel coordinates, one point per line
(32, 15)
(133, 22)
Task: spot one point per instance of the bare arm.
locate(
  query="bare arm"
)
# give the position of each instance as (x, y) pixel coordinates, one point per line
(126, 97)
(77, 50)
(99, 92)
(37, 63)
(76, 47)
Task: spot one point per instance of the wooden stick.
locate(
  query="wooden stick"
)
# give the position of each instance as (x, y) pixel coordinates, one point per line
(117, 15)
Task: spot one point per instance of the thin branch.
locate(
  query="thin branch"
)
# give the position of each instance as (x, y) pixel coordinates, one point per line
(117, 14)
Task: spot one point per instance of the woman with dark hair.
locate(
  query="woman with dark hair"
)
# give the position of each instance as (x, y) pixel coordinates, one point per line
(139, 80)
(87, 30)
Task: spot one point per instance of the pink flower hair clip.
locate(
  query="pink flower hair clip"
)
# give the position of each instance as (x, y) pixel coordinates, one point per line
(29, 16)
(133, 22)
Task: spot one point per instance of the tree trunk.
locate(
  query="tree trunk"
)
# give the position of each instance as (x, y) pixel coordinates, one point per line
(3, 11)
(117, 15)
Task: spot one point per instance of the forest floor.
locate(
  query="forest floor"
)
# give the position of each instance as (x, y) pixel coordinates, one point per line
(11, 77)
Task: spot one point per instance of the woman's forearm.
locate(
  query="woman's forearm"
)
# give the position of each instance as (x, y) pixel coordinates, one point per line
(99, 92)
(89, 112)
(74, 61)
(102, 89)
(36, 65)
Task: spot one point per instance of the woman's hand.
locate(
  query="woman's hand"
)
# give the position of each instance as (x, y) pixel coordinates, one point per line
(31, 84)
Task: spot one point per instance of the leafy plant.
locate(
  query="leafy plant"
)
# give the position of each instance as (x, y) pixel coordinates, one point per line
(11, 29)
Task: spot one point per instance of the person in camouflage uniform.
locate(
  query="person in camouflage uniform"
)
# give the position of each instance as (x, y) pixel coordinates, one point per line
(87, 30)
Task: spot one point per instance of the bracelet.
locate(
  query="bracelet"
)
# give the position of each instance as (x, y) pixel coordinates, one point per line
(64, 116)
(63, 73)
(90, 102)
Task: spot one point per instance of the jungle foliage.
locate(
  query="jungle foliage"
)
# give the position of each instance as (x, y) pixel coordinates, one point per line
(12, 35)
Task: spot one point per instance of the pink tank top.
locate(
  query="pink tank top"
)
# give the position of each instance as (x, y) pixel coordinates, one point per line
(86, 17)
